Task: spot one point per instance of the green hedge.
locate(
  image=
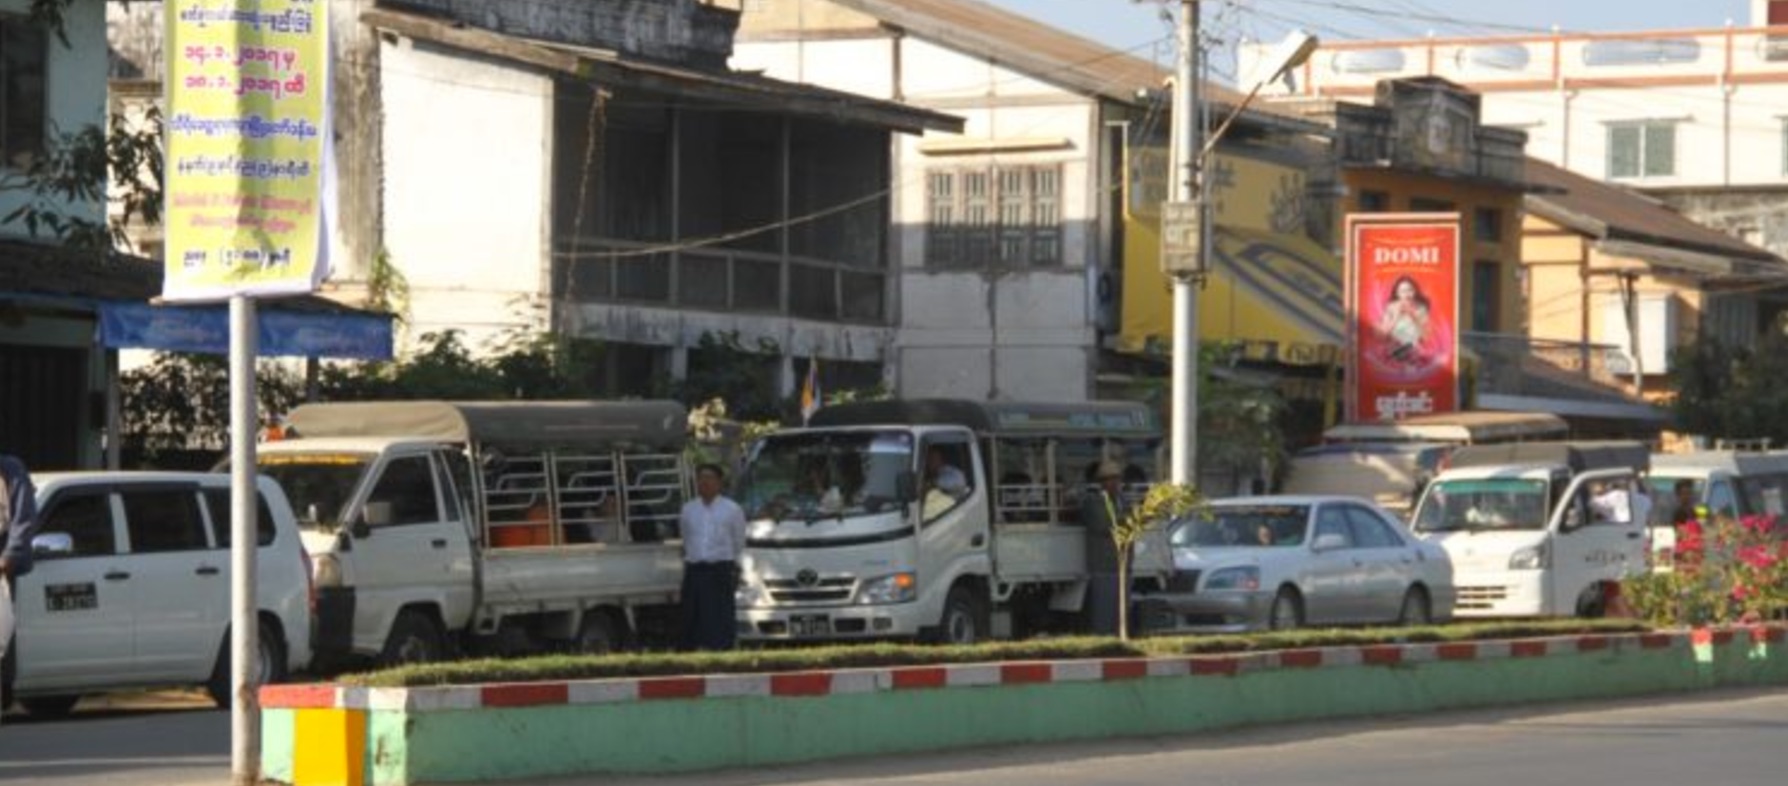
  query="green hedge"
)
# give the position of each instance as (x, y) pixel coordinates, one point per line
(854, 656)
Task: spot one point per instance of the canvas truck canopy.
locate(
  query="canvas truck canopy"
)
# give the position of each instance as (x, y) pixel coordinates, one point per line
(512, 424)
(1578, 456)
(1459, 428)
(1114, 419)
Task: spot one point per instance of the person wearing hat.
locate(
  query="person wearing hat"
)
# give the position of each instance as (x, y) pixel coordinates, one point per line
(1100, 510)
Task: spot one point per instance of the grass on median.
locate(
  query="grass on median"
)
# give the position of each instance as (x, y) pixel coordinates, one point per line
(855, 656)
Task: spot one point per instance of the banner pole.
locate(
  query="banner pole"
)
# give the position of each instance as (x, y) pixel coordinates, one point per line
(245, 709)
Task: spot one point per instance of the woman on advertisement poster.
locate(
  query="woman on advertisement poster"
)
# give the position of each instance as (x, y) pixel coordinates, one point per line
(1405, 330)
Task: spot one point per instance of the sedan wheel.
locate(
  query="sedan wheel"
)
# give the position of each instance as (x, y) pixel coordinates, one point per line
(1288, 610)
(1417, 611)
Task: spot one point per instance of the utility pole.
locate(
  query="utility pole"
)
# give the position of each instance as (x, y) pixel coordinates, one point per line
(1188, 181)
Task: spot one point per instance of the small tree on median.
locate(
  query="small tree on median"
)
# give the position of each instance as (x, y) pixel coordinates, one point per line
(1164, 502)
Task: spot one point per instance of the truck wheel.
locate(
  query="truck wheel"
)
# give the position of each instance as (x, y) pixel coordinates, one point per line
(270, 665)
(414, 639)
(1592, 604)
(600, 633)
(1288, 610)
(1417, 611)
(961, 623)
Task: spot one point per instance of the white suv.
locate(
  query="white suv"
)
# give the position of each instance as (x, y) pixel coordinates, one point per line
(131, 588)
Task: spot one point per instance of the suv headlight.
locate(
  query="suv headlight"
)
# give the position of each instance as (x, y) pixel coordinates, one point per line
(897, 588)
(1530, 558)
(1244, 578)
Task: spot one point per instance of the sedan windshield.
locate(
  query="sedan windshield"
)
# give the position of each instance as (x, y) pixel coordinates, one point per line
(811, 475)
(1253, 526)
(318, 485)
(1494, 503)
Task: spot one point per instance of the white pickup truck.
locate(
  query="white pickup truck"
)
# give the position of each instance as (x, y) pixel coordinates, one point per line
(502, 527)
(854, 533)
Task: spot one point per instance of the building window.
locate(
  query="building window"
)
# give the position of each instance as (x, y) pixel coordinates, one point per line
(24, 50)
(1486, 292)
(1375, 202)
(1427, 205)
(1005, 216)
(1642, 149)
(1486, 225)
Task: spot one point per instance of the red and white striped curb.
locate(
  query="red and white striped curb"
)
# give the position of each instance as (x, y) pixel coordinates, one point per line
(907, 678)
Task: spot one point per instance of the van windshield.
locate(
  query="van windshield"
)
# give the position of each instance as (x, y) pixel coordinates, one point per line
(1472, 505)
(812, 475)
(318, 484)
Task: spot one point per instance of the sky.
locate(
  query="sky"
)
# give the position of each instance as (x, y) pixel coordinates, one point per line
(1136, 24)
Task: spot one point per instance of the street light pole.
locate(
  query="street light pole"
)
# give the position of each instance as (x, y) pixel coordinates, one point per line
(1188, 133)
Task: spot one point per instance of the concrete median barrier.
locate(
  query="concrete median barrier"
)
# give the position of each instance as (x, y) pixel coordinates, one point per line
(320, 735)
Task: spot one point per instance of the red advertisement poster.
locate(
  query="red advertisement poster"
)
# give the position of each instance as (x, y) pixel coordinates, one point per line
(1402, 315)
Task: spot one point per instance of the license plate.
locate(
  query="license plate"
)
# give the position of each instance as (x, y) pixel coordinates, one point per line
(810, 625)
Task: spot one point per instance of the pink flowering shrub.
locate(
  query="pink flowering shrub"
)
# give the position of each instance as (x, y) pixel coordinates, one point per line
(1722, 571)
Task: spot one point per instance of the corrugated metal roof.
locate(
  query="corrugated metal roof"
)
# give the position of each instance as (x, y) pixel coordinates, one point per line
(1027, 45)
(1611, 212)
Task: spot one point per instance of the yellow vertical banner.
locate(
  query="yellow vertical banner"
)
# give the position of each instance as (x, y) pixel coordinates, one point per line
(248, 148)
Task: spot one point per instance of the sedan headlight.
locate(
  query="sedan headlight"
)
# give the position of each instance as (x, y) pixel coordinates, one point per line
(1245, 578)
(897, 588)
(1530, 558)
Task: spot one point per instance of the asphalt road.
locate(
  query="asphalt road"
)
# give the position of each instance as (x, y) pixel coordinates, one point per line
(1732, 738)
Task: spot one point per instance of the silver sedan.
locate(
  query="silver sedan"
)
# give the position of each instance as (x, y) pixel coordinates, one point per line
(1255, 563)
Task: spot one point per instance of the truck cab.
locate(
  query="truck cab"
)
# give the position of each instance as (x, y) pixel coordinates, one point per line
(1538, 529)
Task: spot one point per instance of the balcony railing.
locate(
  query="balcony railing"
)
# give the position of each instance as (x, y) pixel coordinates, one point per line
(719, 279)
(1520, 366)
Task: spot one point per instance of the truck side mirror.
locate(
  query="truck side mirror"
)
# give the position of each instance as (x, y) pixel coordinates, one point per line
(375, 514)
(52, 544)
(906, 487)
(1573, 519)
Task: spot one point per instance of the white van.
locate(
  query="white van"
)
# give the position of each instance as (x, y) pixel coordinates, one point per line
(1726, 483)
(131, 588)
(1389, 462)
(1538, 529)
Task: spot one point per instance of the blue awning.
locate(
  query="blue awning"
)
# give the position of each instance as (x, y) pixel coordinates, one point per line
(283, 333)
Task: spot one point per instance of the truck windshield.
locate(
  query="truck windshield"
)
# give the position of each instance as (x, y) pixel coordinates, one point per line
(813, 475)
(318, 484)
(1472, 505)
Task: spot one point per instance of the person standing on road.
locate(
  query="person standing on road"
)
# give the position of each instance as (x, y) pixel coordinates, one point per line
(1100, 511)
(713, 528)
(18, 524)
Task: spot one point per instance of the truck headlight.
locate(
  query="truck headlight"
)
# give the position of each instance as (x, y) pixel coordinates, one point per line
(897, 588)
(326, 570)
(1530, 558)
(749, 596)
(1244, 578)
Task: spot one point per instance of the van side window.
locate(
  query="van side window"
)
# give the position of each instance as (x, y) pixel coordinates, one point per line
(408, 486)
(1721, 501)
(86, 519)
(164, 520)
(217, 503)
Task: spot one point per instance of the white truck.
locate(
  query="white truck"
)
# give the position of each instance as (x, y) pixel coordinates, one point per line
(942, 519)
(1538, 528)
(500, 526)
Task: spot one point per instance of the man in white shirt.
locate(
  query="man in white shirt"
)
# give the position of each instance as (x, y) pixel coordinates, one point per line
(713, 529)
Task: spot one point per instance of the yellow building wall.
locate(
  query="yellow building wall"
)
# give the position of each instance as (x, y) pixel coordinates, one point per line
(1256, 203)
(1554, 257)
(1402, 188)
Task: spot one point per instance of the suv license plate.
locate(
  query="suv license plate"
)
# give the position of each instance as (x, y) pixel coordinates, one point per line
(810, 625)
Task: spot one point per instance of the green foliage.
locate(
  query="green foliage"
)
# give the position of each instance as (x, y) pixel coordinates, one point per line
(721, 366)
(181, 403)
(1720, 571)
(652, 664)
(1727, 392)
(1163, 503)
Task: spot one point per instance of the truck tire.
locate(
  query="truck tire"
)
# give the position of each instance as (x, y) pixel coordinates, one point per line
(270, 665)
(962, 619)
(601, 633)
(414, 638)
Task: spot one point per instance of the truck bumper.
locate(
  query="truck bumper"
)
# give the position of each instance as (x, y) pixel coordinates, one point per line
(836, 623)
